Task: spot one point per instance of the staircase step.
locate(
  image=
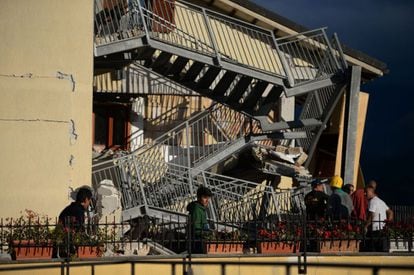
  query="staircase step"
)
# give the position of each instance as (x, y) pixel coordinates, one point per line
(239, 90)
(270, 101)
(176, 67)
(208, 77)
(145, 54)
(224, 84)
(159, 65)
(255, 95)
(193, 72)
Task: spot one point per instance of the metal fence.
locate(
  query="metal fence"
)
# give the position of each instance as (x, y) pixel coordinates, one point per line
(403, 213)
(168, 236)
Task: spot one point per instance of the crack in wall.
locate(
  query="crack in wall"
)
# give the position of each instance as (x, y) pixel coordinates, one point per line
(59, 75)
(71, 160)
(33, 120)
(72, 132)
(72, 129)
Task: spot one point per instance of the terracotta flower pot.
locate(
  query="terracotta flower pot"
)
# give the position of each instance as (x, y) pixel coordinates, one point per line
(28, 249)
(89, 251)
(218, 247)
(277, 247)
(348, 246)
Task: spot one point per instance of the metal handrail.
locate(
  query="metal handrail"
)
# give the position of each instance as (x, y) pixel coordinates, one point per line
(171, 187)
(198, 138)
(310, 56)
(337, 46)
(171, 27)
(300, 58)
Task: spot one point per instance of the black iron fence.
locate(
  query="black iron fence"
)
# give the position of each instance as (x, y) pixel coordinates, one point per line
(403, 213)
(142, 236)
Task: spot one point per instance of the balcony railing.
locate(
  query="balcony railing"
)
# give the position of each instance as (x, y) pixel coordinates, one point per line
(116, 238)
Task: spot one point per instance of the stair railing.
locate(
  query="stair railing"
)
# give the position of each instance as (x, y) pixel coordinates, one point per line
(170, 187)
(299, 58)
(310, 56)
(198, 138)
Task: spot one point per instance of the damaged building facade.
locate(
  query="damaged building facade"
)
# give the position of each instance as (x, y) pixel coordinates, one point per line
(171, 95)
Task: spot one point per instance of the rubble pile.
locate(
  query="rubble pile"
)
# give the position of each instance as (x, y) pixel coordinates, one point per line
(283, 161)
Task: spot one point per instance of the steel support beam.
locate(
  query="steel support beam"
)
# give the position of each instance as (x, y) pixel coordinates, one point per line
(287, 113)
(119, 46)
(309, 87)
(325, 118)
(351, 125)
(279, 135)
(285, 125)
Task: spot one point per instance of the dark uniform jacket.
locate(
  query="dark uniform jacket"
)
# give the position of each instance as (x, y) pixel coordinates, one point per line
(73, 216)
(316, 203)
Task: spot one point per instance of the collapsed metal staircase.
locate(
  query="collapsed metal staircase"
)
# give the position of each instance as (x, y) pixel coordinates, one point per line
(241, 66)
(207, 138)
(225, 59)
(160, 178)
(163, 190)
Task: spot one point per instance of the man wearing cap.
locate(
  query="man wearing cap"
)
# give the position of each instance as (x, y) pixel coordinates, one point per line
(340, 203)
(316, 201)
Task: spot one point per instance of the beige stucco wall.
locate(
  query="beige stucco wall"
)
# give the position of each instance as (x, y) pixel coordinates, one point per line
(45, 124)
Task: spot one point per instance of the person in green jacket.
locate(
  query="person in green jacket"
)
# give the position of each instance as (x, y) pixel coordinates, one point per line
(198, 218)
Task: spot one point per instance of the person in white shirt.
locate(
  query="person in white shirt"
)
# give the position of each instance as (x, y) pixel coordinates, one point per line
(378, 212)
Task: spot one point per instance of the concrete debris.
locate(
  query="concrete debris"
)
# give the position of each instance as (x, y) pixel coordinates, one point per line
(301, 159)
(259, 153)
(129, 249)
(294, 155)
(108, 199)
(282, 156)
(99, 153)
(283, 161)
(294, 150)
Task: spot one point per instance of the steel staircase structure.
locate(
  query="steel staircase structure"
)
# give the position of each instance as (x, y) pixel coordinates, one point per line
(163, 190)
(245, 69)
(225, 59)
(207, 138)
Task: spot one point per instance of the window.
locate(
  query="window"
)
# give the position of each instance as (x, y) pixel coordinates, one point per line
(111, 125)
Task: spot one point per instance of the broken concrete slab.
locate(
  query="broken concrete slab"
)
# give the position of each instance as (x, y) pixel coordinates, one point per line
(301, 159)
(108, 199)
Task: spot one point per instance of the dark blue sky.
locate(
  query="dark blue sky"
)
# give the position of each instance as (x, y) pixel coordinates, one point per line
(383, 29)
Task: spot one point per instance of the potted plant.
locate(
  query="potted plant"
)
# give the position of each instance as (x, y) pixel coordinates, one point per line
(338, 236)
(29, 236)
(224, 242)
(400, 235)
(283, 238)
(89, 245)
